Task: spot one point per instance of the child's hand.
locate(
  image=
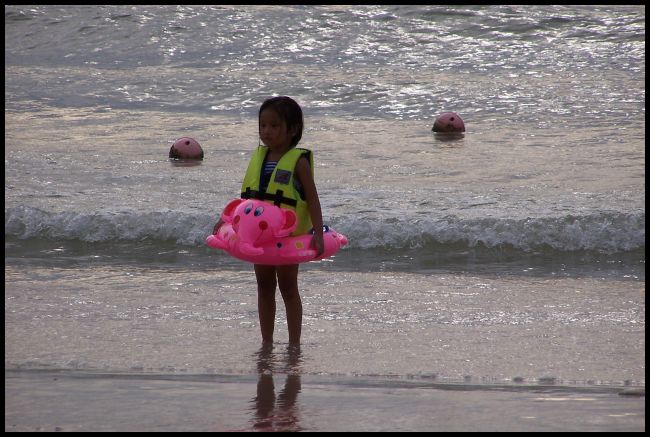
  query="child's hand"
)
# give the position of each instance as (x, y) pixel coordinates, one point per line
(317, 244)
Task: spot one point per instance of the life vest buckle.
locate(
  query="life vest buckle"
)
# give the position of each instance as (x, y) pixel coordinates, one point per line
(277, 198)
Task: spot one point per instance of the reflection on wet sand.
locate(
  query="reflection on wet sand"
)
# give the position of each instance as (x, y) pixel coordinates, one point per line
(281, 412)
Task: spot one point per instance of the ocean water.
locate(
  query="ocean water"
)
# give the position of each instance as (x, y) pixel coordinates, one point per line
(513, 252)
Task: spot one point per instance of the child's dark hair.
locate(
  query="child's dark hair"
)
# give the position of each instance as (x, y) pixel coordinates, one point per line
(290, 111)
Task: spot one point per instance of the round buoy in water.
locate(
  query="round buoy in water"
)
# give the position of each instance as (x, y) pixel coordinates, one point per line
(448, 122)
(186, 148)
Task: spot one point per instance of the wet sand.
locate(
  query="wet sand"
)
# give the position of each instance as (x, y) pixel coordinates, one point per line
(95, 401)
(104, 318)
(153, 350)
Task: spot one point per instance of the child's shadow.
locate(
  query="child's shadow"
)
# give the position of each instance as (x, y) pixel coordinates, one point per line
(279, 413)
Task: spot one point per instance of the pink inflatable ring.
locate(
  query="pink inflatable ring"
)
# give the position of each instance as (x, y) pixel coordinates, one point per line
(259, 232)
(186, 148)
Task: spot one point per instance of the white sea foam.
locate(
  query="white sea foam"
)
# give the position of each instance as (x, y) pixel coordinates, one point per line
(606, 232)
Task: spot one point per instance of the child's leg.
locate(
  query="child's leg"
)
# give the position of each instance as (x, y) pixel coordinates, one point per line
(288, 281)
(266, 284)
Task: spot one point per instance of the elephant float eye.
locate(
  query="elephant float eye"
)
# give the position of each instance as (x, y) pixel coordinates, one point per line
(248, 209)
(258, 211)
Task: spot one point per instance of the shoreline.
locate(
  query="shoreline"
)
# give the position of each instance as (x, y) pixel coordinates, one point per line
(81, 400)
(422, 380)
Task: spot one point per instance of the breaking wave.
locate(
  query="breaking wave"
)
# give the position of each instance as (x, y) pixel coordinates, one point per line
(608, 232)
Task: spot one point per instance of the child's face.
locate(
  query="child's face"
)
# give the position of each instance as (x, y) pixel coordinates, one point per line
(273, 130)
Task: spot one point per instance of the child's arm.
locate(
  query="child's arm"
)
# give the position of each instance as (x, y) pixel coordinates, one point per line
(303, 172)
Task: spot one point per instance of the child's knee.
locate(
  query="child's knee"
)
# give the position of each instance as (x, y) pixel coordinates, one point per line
(289, 293)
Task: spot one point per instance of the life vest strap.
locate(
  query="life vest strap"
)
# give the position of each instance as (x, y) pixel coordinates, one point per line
(277, 198)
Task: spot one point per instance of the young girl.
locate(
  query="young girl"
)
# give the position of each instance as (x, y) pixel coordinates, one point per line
(280, 129)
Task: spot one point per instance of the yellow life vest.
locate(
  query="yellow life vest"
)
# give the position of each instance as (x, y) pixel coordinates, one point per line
(281, 190)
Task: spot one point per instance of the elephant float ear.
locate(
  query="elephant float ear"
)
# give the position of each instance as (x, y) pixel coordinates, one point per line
(289, 222)
(229, 210)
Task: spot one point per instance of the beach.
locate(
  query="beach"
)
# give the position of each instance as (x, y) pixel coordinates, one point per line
(540, 355)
